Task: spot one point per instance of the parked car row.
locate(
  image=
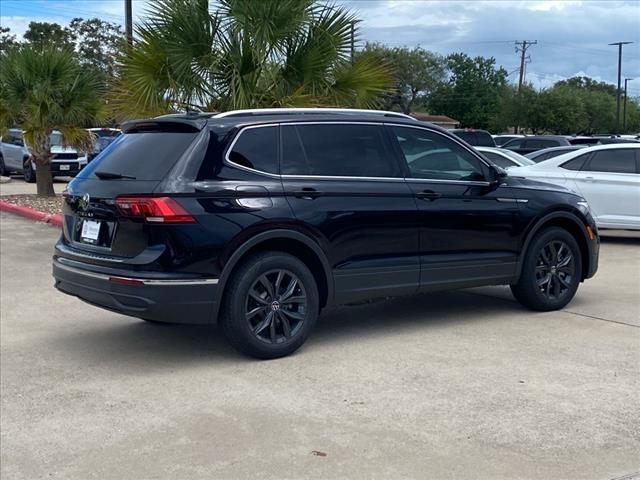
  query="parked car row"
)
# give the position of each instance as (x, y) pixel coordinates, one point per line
(16, 158)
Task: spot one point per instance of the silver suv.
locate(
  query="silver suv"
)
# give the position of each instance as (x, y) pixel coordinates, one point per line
(16, 158)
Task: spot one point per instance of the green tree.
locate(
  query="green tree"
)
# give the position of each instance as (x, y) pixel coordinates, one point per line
(44, 89)
(558, 111)
(472, 93)
(246, 54)
(588, 84)
(513, 107)
(97, 43)
(417, 73)
(45, 33)
(7, 40)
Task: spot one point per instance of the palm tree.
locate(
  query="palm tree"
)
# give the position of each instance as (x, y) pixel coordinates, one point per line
(44, 89)
(246, 54)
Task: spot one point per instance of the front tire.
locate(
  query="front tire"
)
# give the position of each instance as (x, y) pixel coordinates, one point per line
(3, 169)
(270, 306)
(551, 271)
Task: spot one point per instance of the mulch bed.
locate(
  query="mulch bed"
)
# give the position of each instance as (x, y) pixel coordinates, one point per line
(42, 204)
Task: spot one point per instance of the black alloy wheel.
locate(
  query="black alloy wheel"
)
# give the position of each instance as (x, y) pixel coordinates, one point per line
(270, 305)
(555, 269)
(276, 306)
(551, 271)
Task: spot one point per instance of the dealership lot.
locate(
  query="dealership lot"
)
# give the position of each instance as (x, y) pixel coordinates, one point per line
(454, 385)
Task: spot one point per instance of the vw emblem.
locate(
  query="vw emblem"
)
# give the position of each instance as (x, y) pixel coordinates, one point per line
(83, 203)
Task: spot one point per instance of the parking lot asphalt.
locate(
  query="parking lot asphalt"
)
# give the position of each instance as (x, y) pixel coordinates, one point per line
(447, 386)
(17, 186)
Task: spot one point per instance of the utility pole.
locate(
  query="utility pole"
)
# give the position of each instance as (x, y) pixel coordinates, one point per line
(128, 21)
(522, 48)
(619, 44)
(624, 108)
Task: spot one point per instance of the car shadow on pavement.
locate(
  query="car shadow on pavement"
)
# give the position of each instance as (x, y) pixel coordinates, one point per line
(131, 343)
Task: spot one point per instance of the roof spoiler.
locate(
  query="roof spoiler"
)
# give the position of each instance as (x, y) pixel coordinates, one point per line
(165, 124)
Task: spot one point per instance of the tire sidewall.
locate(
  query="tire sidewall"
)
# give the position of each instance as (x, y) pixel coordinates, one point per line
(528, 282)
(28, 173)
(234, 324)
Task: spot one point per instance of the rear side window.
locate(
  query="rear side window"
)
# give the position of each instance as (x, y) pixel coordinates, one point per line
(144, 155)
(484, 139)
(499, 160)
(346, 150)
(576, 163)
(256, 148)
(613, 161)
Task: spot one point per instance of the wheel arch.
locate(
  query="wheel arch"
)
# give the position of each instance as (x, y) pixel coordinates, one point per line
(287, 241)
(567, 221)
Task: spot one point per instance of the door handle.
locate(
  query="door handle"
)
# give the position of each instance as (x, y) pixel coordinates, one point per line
(589, 179)
(307, 193)
(428, 195)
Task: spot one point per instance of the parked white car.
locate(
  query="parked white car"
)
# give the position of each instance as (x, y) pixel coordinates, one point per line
(504, 158)
(607, 176)
(16, 158)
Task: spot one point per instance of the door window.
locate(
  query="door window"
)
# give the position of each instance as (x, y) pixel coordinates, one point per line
(430, 155)
(257, 148)
(540, 143)
(499, 160)
(513, 144)
(345, 150)
(613, 161)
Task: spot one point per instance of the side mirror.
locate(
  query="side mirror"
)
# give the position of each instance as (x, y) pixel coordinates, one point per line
(499, 175)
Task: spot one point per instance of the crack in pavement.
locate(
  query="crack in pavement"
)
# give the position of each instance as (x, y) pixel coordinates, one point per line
(563, 311)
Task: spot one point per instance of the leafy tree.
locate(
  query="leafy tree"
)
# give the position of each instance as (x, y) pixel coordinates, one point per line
(558, 111)
(587, 84)
(246, 54)
(7, 40)
(44, 89)
(417, 73)
(513, 107)
(44, 33)
(97, 43)
(471, 95)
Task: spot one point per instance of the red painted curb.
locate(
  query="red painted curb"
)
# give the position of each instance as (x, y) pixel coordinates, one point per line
(31, 213)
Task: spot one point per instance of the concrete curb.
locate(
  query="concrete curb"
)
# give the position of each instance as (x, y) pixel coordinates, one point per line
(32, 214)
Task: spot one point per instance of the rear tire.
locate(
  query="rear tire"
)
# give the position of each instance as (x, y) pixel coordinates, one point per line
(3, 170)
(29, 173)
(270, 305)
(551, 271)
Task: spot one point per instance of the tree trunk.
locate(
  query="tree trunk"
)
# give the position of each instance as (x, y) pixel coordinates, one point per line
(44, 180)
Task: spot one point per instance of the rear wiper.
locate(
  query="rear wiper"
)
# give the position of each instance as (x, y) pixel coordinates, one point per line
(112, 176)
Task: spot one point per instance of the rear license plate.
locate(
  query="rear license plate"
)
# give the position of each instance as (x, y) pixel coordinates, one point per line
(65, 167)
(90, 231)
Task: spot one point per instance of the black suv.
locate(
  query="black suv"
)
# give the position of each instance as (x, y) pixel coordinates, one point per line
(258, 220)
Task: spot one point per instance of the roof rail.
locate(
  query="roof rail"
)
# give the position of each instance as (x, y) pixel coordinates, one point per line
(295, 111)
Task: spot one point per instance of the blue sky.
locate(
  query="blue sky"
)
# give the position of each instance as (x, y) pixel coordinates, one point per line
(572, 35)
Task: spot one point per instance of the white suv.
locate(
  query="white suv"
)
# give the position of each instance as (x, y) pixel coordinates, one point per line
(15, 157)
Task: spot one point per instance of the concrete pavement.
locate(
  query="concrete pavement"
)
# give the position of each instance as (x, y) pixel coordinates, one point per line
(18, 186)
(448, 386)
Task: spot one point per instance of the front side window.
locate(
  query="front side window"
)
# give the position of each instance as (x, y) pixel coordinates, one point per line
(430, 155)
(257, 148)
(613, 161)
(345, 150)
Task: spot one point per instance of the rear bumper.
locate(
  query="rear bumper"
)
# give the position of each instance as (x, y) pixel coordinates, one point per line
(163, 299)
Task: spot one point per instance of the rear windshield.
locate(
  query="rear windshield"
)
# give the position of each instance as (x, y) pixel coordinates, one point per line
(477, 138)
(145, 156)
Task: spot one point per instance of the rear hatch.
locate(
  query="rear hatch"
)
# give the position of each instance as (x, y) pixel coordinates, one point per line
(111, 211)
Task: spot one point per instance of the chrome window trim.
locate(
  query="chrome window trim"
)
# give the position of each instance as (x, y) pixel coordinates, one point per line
(230, 163)
(145, 281)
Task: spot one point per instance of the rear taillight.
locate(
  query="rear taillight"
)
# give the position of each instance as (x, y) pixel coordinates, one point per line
(154, 209)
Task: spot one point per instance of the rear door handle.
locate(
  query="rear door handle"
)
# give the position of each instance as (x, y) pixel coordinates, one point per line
(428, 195)
(589, 179)
(307, 193)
